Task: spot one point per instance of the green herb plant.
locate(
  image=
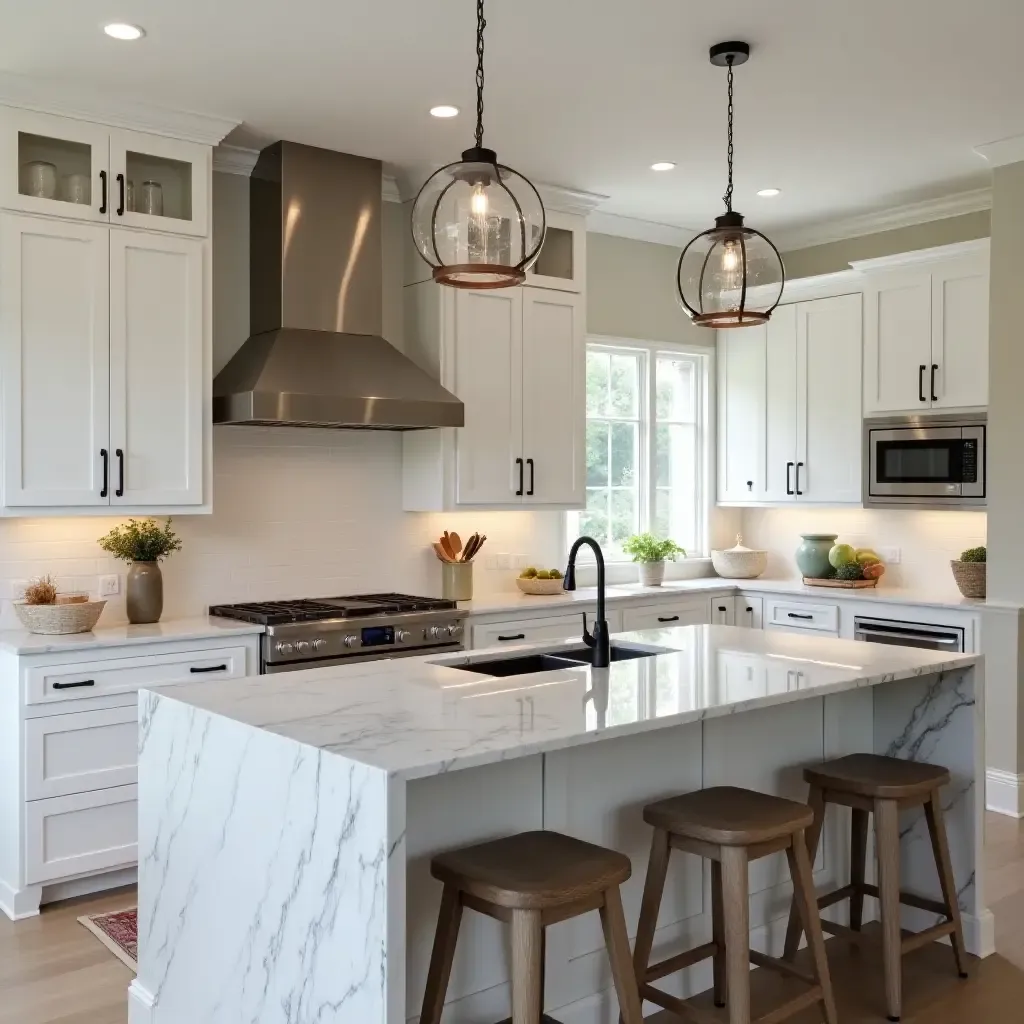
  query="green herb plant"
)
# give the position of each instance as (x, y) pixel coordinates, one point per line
(974, 555)
(645, 547)
(141, 540)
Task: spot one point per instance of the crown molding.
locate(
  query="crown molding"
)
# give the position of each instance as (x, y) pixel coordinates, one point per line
(978, 247)
(639, 230)
(389, 190)
(953, 205)
(234, 160)
(1002, 151)
(113, 109)
(569, 200)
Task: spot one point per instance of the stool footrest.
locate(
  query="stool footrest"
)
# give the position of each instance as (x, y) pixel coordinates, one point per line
(794, 1006)
(680, 961)
(913, 900)
(544, 1019)
(919, 939)
(679, 1007)
(841, 931)
(837, 896)
(782, 966)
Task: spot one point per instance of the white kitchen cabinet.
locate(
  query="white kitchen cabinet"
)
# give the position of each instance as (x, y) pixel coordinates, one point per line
(782, 414)
(926, 330)
(562, 263)
(801, 615)
(564, 626)
(741, 401)
(722, 611)
(747, 611)
(516, 359)
(666, 614)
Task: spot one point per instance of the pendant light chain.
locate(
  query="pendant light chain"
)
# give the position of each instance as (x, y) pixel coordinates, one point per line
(728, 192)
(481, 24)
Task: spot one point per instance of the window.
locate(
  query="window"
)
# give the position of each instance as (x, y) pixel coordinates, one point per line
(645, 445)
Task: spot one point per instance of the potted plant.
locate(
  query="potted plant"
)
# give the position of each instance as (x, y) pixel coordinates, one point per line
(651, 553)
(142, 543)
(970, 572)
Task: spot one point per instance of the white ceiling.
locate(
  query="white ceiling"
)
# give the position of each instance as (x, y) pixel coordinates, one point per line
(846, 106)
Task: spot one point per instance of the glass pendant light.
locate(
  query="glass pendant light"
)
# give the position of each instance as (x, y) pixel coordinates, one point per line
(720, 269)
(476, 222)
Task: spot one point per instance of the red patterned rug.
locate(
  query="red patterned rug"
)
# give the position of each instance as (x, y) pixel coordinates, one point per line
(119, 932)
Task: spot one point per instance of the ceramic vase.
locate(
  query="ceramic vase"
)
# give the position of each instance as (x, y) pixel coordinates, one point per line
(145, 592)
(457, 581)
(812, 555)
(652, 574)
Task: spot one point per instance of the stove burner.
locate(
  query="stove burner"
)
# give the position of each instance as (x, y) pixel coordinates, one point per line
(275, 613)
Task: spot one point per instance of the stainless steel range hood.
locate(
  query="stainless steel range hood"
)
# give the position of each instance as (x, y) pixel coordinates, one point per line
(316, 357)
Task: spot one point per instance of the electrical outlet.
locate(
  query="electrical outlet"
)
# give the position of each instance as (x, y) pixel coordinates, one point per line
(891, 556)
(110, 586)
(504, 560)
(18, 589)
(520, 561)
(491, 561)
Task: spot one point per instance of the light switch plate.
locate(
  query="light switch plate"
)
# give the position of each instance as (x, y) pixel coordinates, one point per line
(891, 556)
(110, 585)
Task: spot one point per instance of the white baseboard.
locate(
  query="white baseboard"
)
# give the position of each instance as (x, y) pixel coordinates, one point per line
(18, 904)
(980, 934)
(88, 884)
(1003, 792)
(140, 1004)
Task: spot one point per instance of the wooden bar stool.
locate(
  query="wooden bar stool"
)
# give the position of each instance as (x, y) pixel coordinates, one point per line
(883, 786)
(530, 881)
(730, 827)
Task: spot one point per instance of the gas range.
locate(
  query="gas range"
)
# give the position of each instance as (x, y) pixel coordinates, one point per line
(315, 632)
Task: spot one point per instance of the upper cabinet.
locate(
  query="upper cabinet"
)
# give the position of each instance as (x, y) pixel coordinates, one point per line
(926, 330)
(562, 260)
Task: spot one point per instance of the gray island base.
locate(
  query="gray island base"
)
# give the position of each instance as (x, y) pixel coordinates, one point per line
(287, 822)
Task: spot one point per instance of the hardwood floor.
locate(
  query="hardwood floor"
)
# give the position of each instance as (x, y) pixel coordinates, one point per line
(52, 971)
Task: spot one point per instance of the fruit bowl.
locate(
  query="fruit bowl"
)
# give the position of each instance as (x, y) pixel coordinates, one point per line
(539, 588)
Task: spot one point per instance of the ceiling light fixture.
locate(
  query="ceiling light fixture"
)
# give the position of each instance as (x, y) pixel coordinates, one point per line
(478, 223)
(124, 31)
(769, 193)
(444, 110)
(663, 165)
(719, 268)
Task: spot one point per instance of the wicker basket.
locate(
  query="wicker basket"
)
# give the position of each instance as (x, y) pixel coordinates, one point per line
(970, 577)
(59, 618)
(539, 588)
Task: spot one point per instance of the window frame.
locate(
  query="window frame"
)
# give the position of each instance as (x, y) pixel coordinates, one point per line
(704, 419)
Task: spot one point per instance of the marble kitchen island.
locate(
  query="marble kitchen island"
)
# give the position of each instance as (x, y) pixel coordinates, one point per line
(287, 821)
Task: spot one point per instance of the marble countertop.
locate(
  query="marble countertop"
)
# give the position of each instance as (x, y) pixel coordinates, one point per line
(416, 717)
(20, 641)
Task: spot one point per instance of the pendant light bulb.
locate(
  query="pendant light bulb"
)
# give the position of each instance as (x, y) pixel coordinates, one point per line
(730, 257)
(478, 204)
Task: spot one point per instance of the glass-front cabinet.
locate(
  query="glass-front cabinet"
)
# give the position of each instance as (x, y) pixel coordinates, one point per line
(562, 260)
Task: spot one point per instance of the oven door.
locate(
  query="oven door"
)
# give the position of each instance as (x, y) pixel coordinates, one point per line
(355, 659)
(943, 464)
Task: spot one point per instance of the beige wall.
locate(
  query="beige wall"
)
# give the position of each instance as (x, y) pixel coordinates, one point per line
(827, 259)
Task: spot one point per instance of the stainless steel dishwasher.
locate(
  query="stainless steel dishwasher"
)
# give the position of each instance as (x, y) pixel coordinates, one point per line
(909, 634)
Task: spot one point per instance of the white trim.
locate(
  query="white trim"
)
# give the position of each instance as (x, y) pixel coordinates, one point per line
(639, 230)
(917, 257)
(1002, 151)
(140, 1004)
(1003, 792)
(389, 190)
(234, 160)
(895, 217)
(19, 904)
(569, 200)
(87, 104)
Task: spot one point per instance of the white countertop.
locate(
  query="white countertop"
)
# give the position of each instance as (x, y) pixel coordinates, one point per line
(20, 641)
(492, 604)
(416, 717)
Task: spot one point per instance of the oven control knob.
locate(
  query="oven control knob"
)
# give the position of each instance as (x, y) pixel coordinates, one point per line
(319, 645)
(403, 636)
(351, 641)
(455, 631)
(283, 647)
(438, 632)
(301, 646)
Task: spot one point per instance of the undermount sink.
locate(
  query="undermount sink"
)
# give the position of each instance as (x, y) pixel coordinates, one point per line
(551, 661)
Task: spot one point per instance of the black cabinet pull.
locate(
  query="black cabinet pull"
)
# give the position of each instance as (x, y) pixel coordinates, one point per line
(120, 473)
(72, 686)
(514, 636)
(196, 669)
(789, 472)
(797, 615)
(668, 618)
(722, 608)
(799, 466)
(529, 493)
(103, 191)
(120, 205)
(519, 463)
(935, 367)
(750, 485)
(106, 471)
(920, 383)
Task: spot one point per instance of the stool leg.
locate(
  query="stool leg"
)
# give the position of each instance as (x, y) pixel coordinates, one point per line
(654, 886)
(816, 801)
(736, 911)
(805, 898)
(887, 832)
(718, 932)
(527, 966)
(858, 861)
(445, 938)
(940, 847)
(616, 938)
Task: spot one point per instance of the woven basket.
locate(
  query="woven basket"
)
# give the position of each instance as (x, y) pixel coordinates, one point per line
(59, 618)
(970, 577)
(539, 588)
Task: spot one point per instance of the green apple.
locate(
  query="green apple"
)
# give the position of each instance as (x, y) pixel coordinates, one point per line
(867, 557)
(842, 554)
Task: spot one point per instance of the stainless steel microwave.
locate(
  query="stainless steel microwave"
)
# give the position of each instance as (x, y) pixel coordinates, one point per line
(917, 462)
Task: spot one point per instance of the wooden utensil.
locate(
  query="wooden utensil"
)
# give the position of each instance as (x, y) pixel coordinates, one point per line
(478, 543)
(467, 551)
(447, 546)
(456, 542)
(441, 553)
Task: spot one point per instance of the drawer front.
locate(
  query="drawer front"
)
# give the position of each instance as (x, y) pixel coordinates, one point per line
(722, 611)
(782, 628)
(802, 614)
(749, 611)
(526, 631)
(79, 753)
(82, 833)
(126, 675)
(665, 615)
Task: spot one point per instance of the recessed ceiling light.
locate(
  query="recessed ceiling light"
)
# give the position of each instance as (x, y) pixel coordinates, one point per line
(122, 30)
(662, 165)
(767, 193)
(445, 110)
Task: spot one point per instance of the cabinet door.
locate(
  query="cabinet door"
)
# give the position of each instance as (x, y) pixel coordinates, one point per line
(157, 183)
(741, 414)
(897, 343)
(554, 402)
(960, 335)
(488, 379)
(747, 611)
(54, 165)
(562, 260)
(156, 369)
(54, 337)
(830, 423)
(781, 406)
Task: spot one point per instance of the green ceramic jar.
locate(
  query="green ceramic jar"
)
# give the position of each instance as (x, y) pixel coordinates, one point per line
(812, 555)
